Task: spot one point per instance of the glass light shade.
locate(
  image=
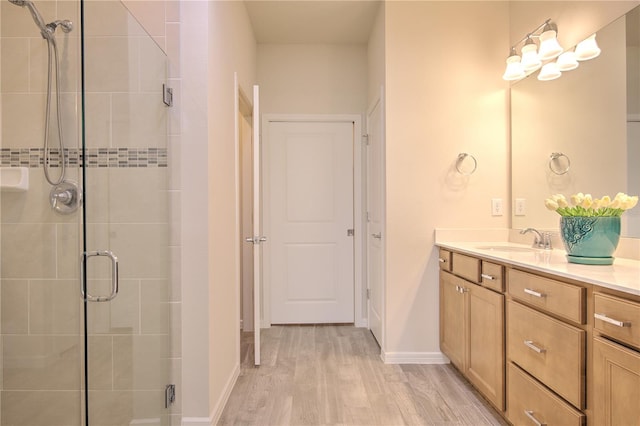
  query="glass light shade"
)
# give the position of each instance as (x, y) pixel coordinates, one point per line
(587, 49)
(567, 61)
(514, 69)
(549, 72)
(549, 46)
(530, 59)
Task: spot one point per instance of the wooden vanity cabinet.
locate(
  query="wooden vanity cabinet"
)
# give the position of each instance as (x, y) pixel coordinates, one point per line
(472, 326)
(616, 361)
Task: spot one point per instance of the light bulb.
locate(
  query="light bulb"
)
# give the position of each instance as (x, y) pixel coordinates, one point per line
(549, 72)
(587, 49)
(549, 46)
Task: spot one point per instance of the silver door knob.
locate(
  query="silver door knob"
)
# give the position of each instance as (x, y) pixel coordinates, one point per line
(378, 235)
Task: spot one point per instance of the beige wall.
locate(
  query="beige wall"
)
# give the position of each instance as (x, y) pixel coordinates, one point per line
(232, 49)
(312, 79)
(445, 95)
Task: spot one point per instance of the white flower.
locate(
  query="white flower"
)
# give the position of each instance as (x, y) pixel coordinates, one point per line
(631, 202)
(576, 199)
(605, 201)
(560, 200)
(551, 204)
(587, 201)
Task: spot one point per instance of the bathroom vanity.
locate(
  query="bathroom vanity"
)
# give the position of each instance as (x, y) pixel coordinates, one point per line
(544, 341)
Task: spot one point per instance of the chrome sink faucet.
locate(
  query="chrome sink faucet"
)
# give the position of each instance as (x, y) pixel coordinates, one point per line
(542, 240)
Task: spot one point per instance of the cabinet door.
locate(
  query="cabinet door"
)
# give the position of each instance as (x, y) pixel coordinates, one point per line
(486, 361)
(453, 323)
(616, 382)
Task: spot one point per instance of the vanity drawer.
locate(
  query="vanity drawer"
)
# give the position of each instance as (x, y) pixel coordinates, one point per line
(548, 349)
(444, 258)
(529, 400)
(617, 318)
(467, 267)
(562, 299)
(492, 276)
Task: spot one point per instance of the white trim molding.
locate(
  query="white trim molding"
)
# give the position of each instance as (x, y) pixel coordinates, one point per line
(414, 358)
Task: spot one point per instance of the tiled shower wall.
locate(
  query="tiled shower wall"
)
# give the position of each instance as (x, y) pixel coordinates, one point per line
(130, 165)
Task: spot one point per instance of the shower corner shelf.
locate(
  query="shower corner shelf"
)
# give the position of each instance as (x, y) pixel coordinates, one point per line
(14, 179)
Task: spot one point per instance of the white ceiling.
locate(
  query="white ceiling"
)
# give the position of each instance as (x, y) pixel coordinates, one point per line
(312, 21)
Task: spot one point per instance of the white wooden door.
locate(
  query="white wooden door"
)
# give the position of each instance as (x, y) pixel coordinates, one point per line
(310, 217)
(375, 212)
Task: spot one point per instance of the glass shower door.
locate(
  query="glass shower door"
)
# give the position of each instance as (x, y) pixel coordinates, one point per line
(126, 220)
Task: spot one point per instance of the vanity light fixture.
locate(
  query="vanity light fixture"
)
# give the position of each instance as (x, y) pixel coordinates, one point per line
(587, 49)
(532, 58)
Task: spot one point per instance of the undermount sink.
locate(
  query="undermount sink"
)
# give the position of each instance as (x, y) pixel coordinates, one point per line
(506, 248)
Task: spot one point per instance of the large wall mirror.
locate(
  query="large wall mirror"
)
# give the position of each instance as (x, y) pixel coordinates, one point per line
(581, 132)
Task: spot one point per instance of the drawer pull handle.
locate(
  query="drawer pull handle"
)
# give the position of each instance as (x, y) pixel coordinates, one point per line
(535, 421)
(531, 345)
(534, 293)
(441, 260)
(603, 317)
(488, 277)
(461, 289)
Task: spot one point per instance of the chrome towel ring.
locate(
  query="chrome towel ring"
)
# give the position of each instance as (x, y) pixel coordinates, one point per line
(461, 160)
(559, 163)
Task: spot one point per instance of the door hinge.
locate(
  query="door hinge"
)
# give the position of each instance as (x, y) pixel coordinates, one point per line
(365, 139)
(169, 395)
(167, 95)
(368, 217)
(350, 232)
(368, 293)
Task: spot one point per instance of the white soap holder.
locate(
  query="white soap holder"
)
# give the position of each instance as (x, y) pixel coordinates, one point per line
(14, 179)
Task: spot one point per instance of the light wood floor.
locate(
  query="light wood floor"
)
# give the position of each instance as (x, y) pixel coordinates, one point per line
(333, 375)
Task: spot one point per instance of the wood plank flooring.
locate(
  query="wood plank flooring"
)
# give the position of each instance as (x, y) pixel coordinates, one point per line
(333, 375)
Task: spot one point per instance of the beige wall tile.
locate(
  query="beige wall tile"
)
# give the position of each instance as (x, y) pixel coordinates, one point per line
(173, 48)
(154, 307)
(15, 65)
(172, 10)
(153, 67)
(41, 408)
(119, 316)
(150, 13)
(54, 307)
(69, 247)
(141, 362)
(15, 307)
(100, 353)
(138, 195)
(175, 315)
(110, 408)
(109, 18)
(111, 64)
(28, 250)
(17, 22)
(41, 362)
(98, 120)
(139, 120)
(142, 249)
(22, 120)
(33, 205)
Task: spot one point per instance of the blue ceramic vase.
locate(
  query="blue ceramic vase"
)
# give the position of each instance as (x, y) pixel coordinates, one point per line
(590, 240)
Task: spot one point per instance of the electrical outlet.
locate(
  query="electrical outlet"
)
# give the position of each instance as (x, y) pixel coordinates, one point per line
(496, 206)
(520, 207)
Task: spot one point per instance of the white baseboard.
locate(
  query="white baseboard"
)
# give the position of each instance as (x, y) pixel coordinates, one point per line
(414, 358)
(197, 421)
(217, 410)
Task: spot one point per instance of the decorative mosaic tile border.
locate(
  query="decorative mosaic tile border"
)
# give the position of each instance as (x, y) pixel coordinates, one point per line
(96, 157)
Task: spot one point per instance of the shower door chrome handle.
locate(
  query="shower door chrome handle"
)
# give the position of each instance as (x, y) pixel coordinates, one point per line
(114, 276)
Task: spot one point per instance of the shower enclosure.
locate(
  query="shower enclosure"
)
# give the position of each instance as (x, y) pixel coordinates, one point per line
(84, 251)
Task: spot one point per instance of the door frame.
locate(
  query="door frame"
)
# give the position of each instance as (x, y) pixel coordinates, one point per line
(379, 101)
(359, 222)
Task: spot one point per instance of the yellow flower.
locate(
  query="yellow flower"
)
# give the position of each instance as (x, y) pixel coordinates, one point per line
(551, 204)
(576, 199)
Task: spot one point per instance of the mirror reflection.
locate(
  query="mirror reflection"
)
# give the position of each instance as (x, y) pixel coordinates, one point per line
(581, 132)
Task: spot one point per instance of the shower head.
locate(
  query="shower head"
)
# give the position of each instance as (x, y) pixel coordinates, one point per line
(37, 18)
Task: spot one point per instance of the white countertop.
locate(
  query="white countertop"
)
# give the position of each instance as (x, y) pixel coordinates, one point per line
(623, 275)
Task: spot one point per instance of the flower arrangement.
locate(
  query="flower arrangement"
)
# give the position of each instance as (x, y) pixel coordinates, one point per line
(585, 205)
